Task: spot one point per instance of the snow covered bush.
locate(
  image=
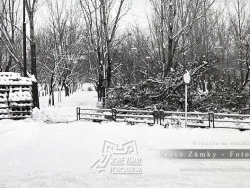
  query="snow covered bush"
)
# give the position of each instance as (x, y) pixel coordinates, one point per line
(208, 91)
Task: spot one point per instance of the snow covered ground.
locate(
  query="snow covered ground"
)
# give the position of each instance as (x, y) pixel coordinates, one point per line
(55, 151)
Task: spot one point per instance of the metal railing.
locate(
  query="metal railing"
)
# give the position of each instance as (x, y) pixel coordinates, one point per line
(194, 119)
(118, 115)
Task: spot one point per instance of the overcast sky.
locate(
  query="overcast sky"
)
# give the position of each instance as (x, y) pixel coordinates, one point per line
(137, 14)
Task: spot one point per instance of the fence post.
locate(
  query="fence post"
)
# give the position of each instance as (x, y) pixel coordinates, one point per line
(156, 116)
(114, 112)
(161, 114)
(103, 102)
(211, 119)
(78, 113)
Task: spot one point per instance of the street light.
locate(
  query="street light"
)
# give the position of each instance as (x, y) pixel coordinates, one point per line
(148, 58)
(187, 79)
(134, 51)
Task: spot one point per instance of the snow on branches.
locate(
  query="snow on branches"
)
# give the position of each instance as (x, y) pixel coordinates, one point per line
(207, 91)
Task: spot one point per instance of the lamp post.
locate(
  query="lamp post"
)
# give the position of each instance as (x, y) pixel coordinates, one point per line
(148, 58)
(187, 79)
(134, 50)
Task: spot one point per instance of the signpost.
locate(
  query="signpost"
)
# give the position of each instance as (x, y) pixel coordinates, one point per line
(187, 79)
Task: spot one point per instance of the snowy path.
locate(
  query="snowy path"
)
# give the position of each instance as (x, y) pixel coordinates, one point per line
(66, 109)
(35, 154)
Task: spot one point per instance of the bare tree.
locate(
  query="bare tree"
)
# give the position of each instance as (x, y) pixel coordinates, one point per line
(239, 29)
(101, 32)
(60, 47)
(177, 19)
(10, 38)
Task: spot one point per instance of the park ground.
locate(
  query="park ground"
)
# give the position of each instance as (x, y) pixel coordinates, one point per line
(53, 150)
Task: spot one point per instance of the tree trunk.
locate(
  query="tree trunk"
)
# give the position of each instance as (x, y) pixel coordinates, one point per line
(31, 10)
(51, 93)
(66, 89)
(109, 71)
(59, 94)
(163, 58)
(24, 42)
(7, 69)
(170, 39)
(109, 39)
(99, 86)
(1, 53)
(35, 94)
(34, 72)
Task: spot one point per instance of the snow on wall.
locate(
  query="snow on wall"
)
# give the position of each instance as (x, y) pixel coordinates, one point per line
(15, 96)
(11, 78)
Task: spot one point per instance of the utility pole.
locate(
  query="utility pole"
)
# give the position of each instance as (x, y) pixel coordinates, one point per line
(24, 43)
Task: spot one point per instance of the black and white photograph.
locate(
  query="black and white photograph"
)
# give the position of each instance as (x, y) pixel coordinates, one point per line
(124, 93)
